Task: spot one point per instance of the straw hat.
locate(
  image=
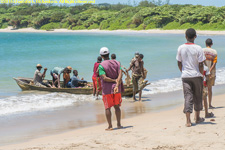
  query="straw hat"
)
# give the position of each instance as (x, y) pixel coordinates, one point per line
(70, 68)
(39, 65)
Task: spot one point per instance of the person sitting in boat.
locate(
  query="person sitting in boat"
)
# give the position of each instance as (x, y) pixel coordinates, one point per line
(76, 82)
(55, 73)
(38, 77)
(66, 78)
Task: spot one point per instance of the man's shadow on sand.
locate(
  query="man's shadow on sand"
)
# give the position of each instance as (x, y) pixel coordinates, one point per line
(145, 100)
(204, 123)
(125, 127)
(217, 107)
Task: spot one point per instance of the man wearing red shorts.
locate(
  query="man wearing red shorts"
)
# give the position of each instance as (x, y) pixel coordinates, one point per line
(96, 80)
(110, 74)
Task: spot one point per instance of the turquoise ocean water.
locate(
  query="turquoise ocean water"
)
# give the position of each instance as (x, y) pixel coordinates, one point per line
(20, 52)
(27, 115)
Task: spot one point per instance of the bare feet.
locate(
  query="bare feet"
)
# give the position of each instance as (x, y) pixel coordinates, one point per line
(134, 98)
(199, 120)
(119, 126)
(109, 129)
(188, 125)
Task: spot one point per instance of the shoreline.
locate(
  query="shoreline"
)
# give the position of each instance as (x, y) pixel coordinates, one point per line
(34, 125)
(152, 31)
(154, 130)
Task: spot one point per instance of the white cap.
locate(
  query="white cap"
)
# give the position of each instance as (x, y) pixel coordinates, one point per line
(104, 51)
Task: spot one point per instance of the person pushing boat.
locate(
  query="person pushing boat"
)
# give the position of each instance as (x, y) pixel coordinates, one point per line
(55, 73)
(137, 67)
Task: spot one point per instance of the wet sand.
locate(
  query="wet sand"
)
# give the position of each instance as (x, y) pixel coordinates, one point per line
(23, 127)
(156, 130)
(19, 129)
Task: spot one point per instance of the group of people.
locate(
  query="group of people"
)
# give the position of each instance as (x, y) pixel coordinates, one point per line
(197, 65)
(139, 74)
(198, 68)
(107, 77)
(56, 72)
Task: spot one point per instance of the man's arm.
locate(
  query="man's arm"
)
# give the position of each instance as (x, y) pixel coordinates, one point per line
(107, 79)
(102, 74)
(179, 65)
(213, 66)
(201, 67)
(118, 82)
(131, 65)
(43, 74)
(142, 69)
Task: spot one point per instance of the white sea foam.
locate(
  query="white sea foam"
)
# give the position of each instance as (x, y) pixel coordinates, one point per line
(163, 86)
(220, 76)
(51, 101)
(39, 102)
(170, 85)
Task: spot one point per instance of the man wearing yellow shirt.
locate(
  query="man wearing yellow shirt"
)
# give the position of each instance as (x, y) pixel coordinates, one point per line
(211, 60)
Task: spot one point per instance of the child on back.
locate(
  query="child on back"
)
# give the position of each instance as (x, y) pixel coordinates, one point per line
(206, 77)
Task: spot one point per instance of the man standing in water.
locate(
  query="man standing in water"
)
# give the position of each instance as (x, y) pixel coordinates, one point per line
(111, 76)
(190, 58)
(211, 60)
(137, 67)
(96, 80)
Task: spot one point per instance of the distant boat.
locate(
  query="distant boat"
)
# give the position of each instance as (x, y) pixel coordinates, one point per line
(24, 84)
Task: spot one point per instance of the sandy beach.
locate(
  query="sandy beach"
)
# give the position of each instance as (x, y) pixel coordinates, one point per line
(160, 130)
(32, 30)
(53, 121)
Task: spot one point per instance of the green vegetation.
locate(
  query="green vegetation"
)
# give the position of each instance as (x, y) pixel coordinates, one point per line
(146, 15)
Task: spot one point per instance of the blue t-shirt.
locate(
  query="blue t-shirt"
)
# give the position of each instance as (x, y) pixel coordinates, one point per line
(75, 81)
(57, 70)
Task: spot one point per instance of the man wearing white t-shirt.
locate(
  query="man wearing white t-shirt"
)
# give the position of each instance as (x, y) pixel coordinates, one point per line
(190, 59)
(211, 60)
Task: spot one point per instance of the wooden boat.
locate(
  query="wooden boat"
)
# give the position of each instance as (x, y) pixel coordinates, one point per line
(25, 84)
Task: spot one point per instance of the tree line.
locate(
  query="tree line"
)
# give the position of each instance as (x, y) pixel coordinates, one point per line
(145, 15)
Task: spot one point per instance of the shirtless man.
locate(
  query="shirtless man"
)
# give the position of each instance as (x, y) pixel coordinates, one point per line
(137, 67)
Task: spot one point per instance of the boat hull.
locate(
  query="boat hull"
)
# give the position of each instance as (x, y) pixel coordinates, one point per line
(24, 84)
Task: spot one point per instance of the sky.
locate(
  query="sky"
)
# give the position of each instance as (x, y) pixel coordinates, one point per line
(217, 3)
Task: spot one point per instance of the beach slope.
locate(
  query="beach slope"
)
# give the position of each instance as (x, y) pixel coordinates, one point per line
(161, 131)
